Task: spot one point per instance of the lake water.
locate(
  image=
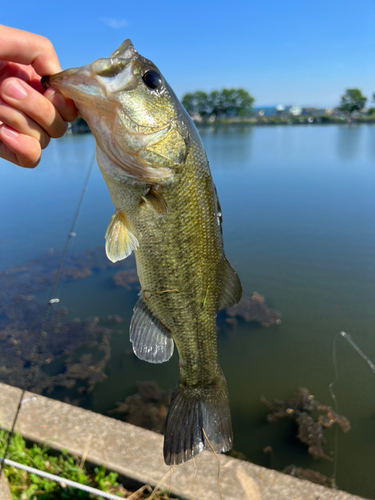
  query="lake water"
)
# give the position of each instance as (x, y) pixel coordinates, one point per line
(298, 220)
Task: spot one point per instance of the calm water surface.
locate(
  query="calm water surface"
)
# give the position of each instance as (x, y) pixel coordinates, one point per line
(298, 206)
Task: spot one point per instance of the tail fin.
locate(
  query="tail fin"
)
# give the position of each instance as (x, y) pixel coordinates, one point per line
(194, 408)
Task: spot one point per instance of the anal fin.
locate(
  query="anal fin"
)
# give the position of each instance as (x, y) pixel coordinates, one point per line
(119, 240)
(151, 340)
(230, 286)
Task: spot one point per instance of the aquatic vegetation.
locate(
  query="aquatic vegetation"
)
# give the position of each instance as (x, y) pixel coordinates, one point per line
(21, 316)
(19, 333)
(309, 475)
(252, 309)
(146, 408)
(311, 417)
(127, 279)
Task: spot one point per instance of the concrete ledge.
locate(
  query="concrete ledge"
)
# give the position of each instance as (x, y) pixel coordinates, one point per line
(4, 489)
(137, 454)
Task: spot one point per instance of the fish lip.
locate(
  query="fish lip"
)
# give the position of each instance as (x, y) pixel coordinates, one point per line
(126, 51)
(56, 81)
(76, 83)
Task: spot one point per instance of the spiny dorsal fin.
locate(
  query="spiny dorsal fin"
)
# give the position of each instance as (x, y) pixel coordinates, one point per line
(230, 286)
(151, 340)
(119, 240)
(155, 200)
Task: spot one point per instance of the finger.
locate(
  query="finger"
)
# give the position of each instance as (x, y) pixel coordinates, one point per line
(65, 107)
(28, 48)
(21, 96)
(20, 122)
(20, 149)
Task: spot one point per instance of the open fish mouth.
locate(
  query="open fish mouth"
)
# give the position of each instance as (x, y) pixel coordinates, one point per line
(94, 81)
(91, 75)
(72, 76)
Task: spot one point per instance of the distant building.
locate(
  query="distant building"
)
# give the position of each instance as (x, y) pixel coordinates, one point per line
(264, 111)
(295, 110)
(317, 113)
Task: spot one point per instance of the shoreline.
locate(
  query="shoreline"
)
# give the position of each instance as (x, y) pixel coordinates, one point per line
(82, 128)
(295, 120)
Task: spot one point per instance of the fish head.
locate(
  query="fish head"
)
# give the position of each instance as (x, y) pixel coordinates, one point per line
(137, 120)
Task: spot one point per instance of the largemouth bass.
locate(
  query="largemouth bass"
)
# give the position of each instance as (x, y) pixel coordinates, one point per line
(167, 212)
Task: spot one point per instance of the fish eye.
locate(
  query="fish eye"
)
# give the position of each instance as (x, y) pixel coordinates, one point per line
(152, 79)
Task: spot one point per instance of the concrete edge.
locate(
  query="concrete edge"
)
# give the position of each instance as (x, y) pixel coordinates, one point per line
(4, 489)
(137, 453)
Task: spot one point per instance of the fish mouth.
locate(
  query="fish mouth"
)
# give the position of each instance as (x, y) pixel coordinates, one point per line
(77, 83)
(75, 75)
(89, 79)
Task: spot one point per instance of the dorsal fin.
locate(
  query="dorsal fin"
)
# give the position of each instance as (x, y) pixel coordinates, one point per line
(151, 340)
(119, 240)
(230, 286)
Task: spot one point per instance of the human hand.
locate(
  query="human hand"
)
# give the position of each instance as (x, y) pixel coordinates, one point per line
(29, 115)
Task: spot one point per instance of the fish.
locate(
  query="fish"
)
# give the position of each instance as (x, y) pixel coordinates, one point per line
(168, 213)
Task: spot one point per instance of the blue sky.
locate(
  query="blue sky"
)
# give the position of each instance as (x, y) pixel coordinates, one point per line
(283, 52)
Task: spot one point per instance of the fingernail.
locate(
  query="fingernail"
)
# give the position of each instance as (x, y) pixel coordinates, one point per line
(9, 132)
(15, 90)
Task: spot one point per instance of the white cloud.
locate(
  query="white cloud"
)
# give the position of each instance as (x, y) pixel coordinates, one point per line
(115, 23)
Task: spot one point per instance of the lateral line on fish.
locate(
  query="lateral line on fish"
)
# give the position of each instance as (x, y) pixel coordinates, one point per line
(218, 470)
(161, 291)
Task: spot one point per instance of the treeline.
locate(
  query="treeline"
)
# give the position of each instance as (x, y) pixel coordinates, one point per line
(231, 103)
(353, 101)
(218, 103)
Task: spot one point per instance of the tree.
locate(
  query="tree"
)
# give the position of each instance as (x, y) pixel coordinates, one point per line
(371, 111)
(352, 100)
(197, 102)
(220, 103)
(231, 102)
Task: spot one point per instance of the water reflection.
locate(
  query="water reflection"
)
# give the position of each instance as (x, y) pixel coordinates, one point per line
(370, 141)
(349, 141)
(232, 141)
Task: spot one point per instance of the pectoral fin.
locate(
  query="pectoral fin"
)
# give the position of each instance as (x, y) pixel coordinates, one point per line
(230, 286)
(155, 200)
(119, 240)
(151, 340)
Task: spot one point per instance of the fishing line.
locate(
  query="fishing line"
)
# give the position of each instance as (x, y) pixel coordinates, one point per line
(52, 300)
(348, 338)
